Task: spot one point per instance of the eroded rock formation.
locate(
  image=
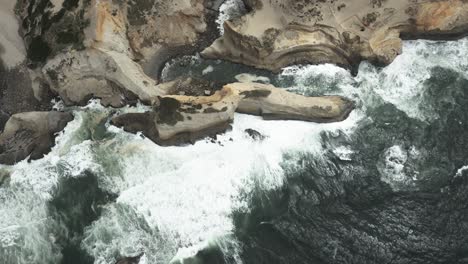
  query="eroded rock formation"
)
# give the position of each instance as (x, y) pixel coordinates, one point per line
(274, 103)
(181, 119)
(98, 48)
(279, 33)
(30, 134)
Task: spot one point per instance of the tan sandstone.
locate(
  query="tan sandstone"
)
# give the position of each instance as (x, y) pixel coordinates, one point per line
(278, 33)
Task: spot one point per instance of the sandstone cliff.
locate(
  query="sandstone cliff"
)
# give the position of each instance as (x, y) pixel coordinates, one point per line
(278, 33)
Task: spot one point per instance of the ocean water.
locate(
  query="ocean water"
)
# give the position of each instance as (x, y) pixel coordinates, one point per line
(102, 193)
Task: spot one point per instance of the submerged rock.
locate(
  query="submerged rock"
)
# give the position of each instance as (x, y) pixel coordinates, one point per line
(130, 260)
(4, 177)
(276, 34)
(254, 134)
(30, 134)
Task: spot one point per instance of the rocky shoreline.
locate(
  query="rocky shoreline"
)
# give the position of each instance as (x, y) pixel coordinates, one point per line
(110, 47)
(105, 50)
(114, 50)
(276, 34)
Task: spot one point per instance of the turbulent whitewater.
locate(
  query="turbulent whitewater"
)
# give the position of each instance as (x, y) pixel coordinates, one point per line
(387, 185)
(170, 202)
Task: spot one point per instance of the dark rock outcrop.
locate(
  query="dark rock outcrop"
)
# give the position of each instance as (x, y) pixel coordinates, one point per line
(254, 134)
(30, 134)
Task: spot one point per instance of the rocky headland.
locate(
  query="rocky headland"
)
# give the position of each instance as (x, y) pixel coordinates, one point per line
(277, 33)
(114, 51)
(78, 50)
(337, 210)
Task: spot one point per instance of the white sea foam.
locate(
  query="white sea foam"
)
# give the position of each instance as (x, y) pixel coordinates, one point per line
(402, 82)
(189, 193)
(207, 70)
(395, 167)
(247, 78)
(394, 163)
(228, 10)
(173, 200)
(25, 226)
(343, 153)
(461, 170)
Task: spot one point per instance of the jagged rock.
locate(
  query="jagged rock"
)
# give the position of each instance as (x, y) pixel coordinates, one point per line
(254, 134)
(30, 134)
(183, 119)
(275, 103)
(279, 33)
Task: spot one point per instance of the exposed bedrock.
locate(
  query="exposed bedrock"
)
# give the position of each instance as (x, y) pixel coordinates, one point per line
(100, 48)
(51, 27)
(30, 134)
(181, 119)
(278, 33)
(114, 77)
(275, 103)
(91, 48)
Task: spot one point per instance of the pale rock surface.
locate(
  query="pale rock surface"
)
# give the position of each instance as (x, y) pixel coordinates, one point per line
(278, 33)
(275, 103)
(96, 48)
(181, 119)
